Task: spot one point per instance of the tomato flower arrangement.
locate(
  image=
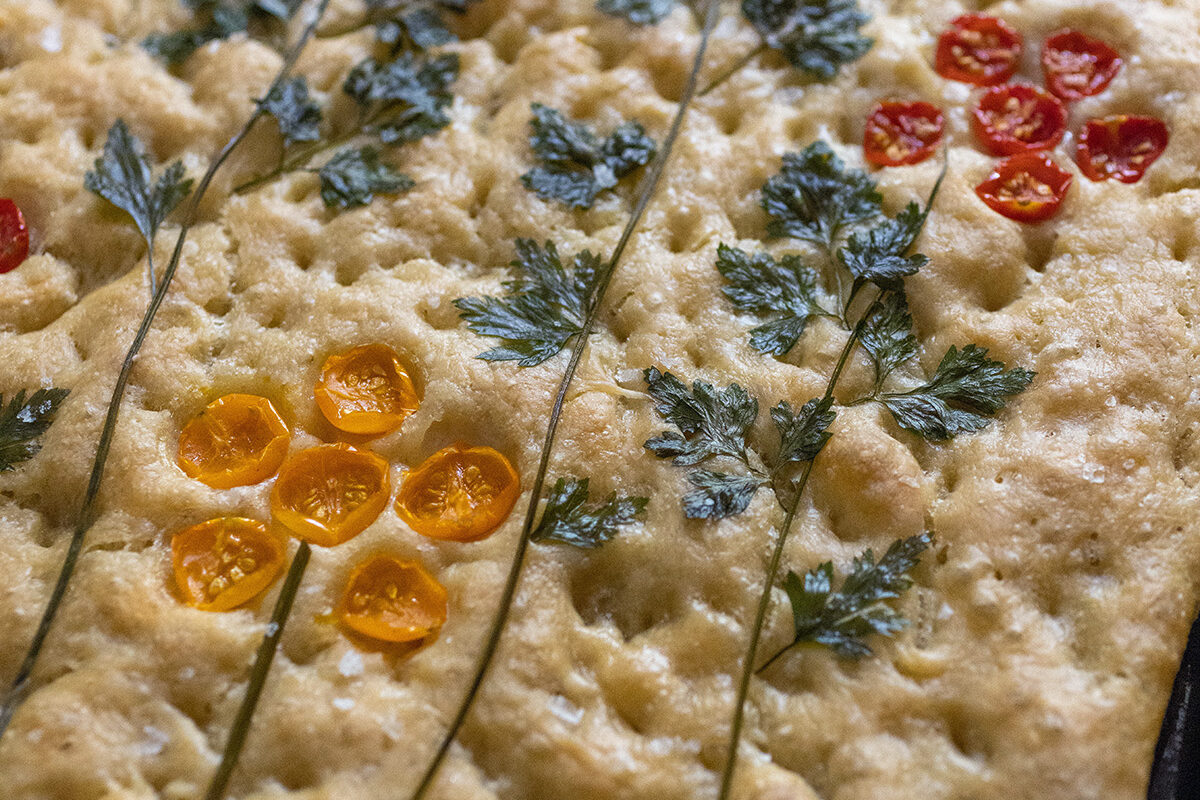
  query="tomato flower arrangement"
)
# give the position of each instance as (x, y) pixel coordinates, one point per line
(328, 494)
(1021, 121)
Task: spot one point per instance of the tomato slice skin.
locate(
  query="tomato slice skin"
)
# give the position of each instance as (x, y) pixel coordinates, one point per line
(898, 134)
(366, 390)
(1076, 65)
(1121, 147)
(460, 493)
(978, 49)
(14, 236)
(225, 562)
(1016, 118)
(393, 600)
(237, 440)
(1028, 187)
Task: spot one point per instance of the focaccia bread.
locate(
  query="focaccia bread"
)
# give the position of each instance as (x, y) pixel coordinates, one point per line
(1046, 619)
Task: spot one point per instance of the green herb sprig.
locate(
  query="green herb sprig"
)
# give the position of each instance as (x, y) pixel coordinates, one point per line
(585, 524)
(23, 420)
(817, 37)
(576, 164)
(397, 102)
(405, 24)
(220, 19)
(837, 211)
(122, 176)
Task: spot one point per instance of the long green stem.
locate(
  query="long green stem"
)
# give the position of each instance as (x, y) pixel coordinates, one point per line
(87, 514)
(258, 675)
(648, 187)
(764, 599)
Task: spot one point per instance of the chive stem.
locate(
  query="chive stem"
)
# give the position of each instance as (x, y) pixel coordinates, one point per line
(258, 674)
(649, 184)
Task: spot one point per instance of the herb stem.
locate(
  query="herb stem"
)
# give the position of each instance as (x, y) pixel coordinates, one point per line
(301, 159)
(764, 600)
(733, 68)
(646, 192)
(20, 686)
(258, 674)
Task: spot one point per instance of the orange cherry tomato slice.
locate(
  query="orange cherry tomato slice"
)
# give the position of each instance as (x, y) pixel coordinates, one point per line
(1028, 187)
(329, 494)
(1121, 147)
(459, 493)
(222, 563)
(393, 600)
(366, 390)
(1019, 119)
(14, 236)
(236, 440)
(1077, 66)
(978, 49)
(902, 133)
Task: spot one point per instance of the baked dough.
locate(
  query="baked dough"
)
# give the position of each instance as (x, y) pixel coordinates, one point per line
(1048, 620)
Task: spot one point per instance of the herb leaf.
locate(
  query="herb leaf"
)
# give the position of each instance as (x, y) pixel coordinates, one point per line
(23, 421)
(878, 254)
(718, 495)
(965, 391)
(406, 99)
(841, 620)
(576, 165)
(638, 12)
(710, 422)
(566, 520)
(803, 435)
(298, 116)
(814, 197)
(418, 29)
(816, 36)
(354, 176)
(216, 19)
(887, 335)
(122, 177)
(785, 290)
(545, 307)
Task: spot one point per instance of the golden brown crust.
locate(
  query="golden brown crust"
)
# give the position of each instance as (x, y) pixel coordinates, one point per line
(1047, 627)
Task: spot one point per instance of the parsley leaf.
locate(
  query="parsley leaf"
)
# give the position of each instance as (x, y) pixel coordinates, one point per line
(417, 29)
(122, 176)
(816, 36)
(803, 435)
(718, 495)
(406, 99)
(354, 176)
(710, 422)
(546, 306)
(878, 254)
(965, 391)
(216, 19)
(23, 421)
(887, 335)
(298, 117)
(841, 620)
(566, 520)
(785, 291)
(814, 197)
(577, 166)
(638, 12)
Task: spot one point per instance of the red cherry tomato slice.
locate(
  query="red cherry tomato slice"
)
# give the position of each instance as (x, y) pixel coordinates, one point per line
(902, 133)
(1078, 66)
(14, 236)
(1019, 119)
(978, 49)
(1120, 147)
(1028, 187)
